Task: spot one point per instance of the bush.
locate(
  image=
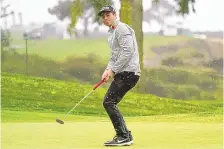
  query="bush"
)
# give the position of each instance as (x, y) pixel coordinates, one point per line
(183, 91)
(216, 64)
(181, 84)
(172, 61)
(197, 55)
(87, 69)
(37, 66)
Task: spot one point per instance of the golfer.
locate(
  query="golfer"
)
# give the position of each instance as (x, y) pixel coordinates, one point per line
(124, 68)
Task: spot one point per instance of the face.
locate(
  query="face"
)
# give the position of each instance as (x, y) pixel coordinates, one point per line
(108, 18)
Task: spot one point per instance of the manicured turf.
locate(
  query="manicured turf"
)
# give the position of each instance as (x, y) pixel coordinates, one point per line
(31, 130)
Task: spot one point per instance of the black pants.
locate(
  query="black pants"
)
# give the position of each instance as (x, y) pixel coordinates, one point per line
(121, 84)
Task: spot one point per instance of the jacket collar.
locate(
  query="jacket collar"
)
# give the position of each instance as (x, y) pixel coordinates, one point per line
(113, 26)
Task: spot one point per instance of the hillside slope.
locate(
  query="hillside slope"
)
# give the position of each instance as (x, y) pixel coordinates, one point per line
(23, 93)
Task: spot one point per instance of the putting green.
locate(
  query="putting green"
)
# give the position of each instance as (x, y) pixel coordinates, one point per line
(92, 135)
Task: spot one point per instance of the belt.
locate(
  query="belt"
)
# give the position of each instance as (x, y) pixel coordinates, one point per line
(130, 72)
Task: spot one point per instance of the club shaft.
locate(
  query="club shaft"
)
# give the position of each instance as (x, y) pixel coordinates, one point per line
(78, 104)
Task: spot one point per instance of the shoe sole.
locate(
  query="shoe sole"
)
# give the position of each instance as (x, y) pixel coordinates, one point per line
(122, 144)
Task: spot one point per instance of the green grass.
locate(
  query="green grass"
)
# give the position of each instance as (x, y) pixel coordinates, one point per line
(60, 49)
(25, 130)
(164, 40)
(150, 41)
(10, 116)
(49, 95)
(218, 103)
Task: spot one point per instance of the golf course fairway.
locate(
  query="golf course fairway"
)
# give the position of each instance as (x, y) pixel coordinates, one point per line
(40, 131)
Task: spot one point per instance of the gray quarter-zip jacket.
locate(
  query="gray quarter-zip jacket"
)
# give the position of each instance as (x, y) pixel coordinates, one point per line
(124, 49)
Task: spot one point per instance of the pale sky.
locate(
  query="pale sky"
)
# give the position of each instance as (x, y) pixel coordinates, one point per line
(209, 14)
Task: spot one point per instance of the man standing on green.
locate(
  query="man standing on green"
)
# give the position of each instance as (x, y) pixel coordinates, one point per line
(124, 68)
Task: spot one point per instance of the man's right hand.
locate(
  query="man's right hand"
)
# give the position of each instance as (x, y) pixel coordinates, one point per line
(105, 75)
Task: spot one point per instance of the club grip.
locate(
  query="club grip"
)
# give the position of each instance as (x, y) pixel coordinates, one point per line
(98, 84)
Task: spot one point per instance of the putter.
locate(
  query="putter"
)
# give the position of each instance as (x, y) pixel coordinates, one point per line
(95, 87)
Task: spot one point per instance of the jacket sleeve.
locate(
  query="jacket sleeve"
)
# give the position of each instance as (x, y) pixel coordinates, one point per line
(125, 41)
(110, 64)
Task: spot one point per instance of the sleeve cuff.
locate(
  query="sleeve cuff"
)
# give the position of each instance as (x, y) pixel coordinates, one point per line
(113, 71)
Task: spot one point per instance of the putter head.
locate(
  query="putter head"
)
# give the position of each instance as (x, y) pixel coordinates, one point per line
(59, 121)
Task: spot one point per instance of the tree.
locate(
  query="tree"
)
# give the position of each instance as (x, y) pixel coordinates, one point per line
(79, 9)
(159, 12)
(5, 14)
(137, 17)
(125, 11)
(182, 6)
(5, 34)
(163, 9)
(5, 42)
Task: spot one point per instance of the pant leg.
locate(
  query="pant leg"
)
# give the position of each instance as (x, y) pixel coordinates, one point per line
(121, 84)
